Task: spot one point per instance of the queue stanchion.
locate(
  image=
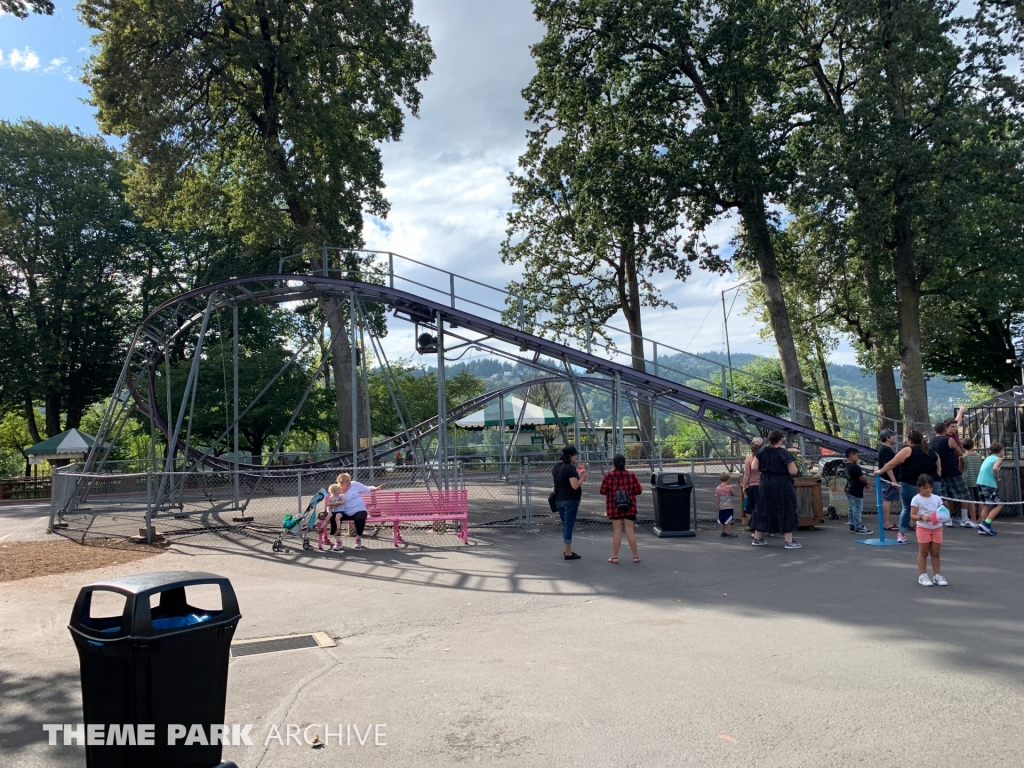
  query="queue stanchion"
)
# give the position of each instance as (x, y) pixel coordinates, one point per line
(881, 541)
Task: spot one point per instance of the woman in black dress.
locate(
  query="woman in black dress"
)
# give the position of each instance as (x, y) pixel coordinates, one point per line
(776, 505)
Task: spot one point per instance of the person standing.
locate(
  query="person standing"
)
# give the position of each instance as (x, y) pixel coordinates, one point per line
(948, 450)
(913, 460)
(725, 495)
(568, 493)
(971, 461)
(776, 504)
(890, 483)
(988, 489)
(855, 483)
(620, 488)
(925, 508)
(750, 481)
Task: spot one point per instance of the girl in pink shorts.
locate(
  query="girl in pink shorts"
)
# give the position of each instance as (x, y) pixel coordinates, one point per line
(930, 514)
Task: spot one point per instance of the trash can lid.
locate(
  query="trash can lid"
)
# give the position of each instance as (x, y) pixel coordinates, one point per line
(671, 479)
(159, 581)
(137, 618)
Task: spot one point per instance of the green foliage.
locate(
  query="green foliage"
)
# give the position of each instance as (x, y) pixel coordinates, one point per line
(68, 260)
(14, 438)
(273, 110)
(22, 8)
(419, 393)
(761, 388)
(597, 199)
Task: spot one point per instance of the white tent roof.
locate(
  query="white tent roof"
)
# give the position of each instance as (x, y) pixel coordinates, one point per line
(490, 417)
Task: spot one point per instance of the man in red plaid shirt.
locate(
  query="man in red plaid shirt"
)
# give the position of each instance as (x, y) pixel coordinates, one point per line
(619, 479)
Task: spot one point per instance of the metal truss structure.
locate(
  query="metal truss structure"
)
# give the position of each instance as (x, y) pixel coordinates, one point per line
(185, 322)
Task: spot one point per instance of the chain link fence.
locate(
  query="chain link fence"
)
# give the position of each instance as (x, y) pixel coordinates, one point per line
(149, 505)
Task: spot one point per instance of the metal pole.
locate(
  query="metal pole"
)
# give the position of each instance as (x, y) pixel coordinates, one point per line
(366, 400)
(1016, 451)
(654, 412)
(503, 472)
(587, 325)
(391, 270)
(298, 479)
(725, 385)
(728, 351)
(234, 373)
(617, 435)
(442, 404)
(451, 287)
(355, 383)
(189, 383)
(167, 376)
(149, 507)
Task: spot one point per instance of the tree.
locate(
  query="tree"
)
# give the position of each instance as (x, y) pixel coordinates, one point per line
(22, 8)
(68, 260)
(715, 75)
(597, 211)
(419, 392)
(913, 131)
(277, 105)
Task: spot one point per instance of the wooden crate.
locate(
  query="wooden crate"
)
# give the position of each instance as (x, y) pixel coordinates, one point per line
(810, 509)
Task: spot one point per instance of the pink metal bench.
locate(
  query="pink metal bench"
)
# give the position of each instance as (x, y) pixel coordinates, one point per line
(427, 506)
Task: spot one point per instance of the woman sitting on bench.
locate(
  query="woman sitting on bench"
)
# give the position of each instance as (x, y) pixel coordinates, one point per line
(354, 508)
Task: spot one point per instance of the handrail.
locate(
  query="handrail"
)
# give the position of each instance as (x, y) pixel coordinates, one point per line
(862, 419)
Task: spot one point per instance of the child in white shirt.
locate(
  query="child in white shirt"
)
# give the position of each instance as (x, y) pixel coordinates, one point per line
(930, 514)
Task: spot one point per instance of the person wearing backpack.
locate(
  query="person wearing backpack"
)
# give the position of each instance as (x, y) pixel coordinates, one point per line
(620, 488)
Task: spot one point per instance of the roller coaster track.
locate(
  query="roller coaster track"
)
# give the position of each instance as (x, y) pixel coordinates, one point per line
(174, 322)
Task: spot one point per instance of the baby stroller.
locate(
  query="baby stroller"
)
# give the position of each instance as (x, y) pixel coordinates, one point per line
(300, 525)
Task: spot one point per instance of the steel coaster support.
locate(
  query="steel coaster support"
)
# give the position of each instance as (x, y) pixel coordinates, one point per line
(354, 383)
(503, 473)
(193, 374)
(580, 403)
(298, 409)
(287, 364)
(413, 440)
(234, 400)
(442, 406)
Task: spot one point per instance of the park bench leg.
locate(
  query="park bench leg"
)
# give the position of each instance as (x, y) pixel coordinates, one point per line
(398, 536)
(465, 532)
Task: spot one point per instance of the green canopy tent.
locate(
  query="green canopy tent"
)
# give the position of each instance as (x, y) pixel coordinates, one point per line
(69, 445)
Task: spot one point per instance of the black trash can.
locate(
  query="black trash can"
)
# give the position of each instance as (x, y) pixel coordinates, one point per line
(155, 666)
(672, 497)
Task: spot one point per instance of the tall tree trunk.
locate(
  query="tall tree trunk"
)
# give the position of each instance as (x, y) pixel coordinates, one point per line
(341, 365)
(630, 286)
(908, 317)
(755, 222)
(52, 401)
(30, 417)
(887, 396)
(826, 384)
(332, 435)
(872, 336)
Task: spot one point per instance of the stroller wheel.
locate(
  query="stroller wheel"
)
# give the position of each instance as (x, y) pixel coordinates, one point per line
(277, 546)
(833, 514)
(305, 543)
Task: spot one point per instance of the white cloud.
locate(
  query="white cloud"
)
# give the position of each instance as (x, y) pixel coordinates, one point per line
(56, 64)
(446, 178)
(24, 59)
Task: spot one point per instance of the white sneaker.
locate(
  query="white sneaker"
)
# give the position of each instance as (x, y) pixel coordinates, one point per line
(923, 580)
(940, 581)
(966, 524)
(949, 523)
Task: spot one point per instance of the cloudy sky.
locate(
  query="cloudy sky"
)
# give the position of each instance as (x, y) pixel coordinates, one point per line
(446, 179)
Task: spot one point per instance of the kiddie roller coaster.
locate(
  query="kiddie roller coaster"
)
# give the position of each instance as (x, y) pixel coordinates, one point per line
(451, 314)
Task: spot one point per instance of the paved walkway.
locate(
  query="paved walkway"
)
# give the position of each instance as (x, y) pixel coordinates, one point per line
(708, 653)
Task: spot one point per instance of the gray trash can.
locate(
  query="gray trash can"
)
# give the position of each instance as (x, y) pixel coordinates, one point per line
(155, 666)
(672, 493)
